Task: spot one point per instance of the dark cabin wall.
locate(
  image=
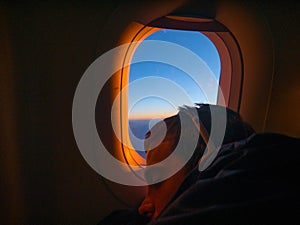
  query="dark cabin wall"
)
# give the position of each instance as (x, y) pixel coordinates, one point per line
(47, 47)
(268, 36)
(284, 106)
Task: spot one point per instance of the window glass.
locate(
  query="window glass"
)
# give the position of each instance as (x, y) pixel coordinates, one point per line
(147, 111)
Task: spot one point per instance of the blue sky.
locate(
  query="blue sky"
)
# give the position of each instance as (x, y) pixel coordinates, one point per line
(156, 107)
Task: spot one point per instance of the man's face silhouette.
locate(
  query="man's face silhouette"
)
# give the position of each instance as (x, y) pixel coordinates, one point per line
(159, 194)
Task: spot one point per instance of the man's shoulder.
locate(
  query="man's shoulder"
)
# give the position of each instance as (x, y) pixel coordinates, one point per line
(254, 177)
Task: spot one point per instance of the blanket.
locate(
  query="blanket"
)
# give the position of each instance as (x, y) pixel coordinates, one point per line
(251, 182)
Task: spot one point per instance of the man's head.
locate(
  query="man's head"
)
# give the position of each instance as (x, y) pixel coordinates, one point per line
(160, 194)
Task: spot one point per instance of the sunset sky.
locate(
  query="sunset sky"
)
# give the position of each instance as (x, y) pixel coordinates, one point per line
(155, 107)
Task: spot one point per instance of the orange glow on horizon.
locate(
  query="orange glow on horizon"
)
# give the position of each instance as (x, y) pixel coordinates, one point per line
(151, 117)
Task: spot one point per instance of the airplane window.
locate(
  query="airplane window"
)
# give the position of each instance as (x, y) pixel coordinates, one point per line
(145, 111)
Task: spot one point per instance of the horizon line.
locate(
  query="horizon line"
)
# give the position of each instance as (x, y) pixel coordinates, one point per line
(151, 118)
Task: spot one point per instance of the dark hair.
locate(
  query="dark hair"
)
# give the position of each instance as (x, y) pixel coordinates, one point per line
(236, 128)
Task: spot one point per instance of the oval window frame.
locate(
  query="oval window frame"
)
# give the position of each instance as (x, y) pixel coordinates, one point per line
(231, 73)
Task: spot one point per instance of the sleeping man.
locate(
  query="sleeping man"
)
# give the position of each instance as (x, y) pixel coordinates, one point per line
(252, 179)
